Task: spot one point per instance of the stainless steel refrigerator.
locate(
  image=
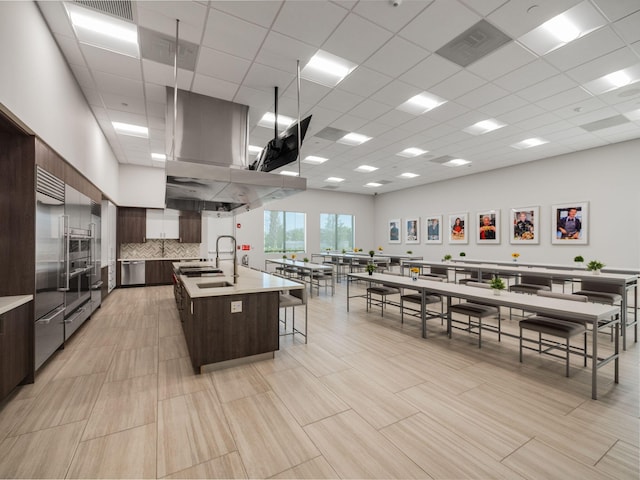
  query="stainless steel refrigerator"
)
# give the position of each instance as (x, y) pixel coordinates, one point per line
(49, 302)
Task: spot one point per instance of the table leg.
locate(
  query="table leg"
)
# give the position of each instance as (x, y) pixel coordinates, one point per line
(423, 309)
(594, 361)
(449, 316)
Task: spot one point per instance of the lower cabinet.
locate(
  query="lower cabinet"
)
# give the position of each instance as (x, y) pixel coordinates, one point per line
(158, 272)
(16, 348)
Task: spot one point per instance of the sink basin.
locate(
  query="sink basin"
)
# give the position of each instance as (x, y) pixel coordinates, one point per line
(218, 284)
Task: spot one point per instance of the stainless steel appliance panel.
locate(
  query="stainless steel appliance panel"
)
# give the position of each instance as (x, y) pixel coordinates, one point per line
(49, 333)
(133, 272)
(73, 321)
(96, 254)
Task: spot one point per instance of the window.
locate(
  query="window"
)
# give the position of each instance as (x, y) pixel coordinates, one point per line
(336, 231)
(284, 231)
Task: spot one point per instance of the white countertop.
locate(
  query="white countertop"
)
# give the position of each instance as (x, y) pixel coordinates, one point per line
(141, 259)
(9, 303)
(249, 281)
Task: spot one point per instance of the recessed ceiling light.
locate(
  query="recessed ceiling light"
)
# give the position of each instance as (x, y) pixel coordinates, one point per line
(313, 160)
(289, 173)
(103, 31)
(366, 169)
(334, 180)
(159, 156)
(563, 29)
(354, 139)
(268, 120)
(327, 69)
(408, 175)
(411, 152)
(372, 184)
(529, 142)
(485, 126)
(456, 162)
(633, 115)
(254, 149)
(132, 130)
(421, 103)
(614, 80)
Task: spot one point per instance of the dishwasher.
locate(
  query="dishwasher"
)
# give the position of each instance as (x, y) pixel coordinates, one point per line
(133, 272)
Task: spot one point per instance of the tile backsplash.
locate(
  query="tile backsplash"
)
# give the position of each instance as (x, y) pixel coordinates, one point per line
(160, 249)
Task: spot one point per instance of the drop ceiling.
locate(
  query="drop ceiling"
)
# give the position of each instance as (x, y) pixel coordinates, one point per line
(240, 50)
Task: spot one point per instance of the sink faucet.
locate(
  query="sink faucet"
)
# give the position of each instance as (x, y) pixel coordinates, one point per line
(235, 256)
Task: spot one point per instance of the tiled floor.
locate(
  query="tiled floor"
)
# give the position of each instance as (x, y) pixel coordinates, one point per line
(365, 398)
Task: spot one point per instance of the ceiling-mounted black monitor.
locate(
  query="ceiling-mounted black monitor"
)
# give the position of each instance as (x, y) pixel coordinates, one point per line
(283, 149)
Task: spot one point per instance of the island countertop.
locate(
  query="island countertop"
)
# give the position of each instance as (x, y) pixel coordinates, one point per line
(249, 281)
(9, 303)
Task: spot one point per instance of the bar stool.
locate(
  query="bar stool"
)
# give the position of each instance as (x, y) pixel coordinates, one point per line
(383, 291)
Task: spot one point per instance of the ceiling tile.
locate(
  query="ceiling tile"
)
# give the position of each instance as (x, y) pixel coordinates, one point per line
(254, 11)
(617, 60)
(160, 74)
(546, 88)
(628, 27)
(118, 85)
(370, 38)
(370, 109)
(395, 93)
(585, 104)
(616, 9)
(310, 92)
(282, 52)
(396, 57)
(521, 114)
(340, 100)
(232, 35)
(503, 105)
(485, 7)
(585, 49)
(260, 75)
(515, 18)
(439, 23)
(161, 16)
(527, 75)
(482, 95)
(125, 104)
(214, 87)
(429, 72)
(457, 85)
(221, 65)
(364, 81)
(389, 17)
(101, 60)
(568, 97)
(350, 123)
(504, 60)
(312, 21)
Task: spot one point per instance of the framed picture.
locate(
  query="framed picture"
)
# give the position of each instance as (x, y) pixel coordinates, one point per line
(434, 229)
(569, 223)
(394, 231)
(458, 224)
(412, 230)
(524, 225)
(488, 227)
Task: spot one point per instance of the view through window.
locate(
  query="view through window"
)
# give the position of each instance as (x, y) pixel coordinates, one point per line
(337, 231)
(284, 231)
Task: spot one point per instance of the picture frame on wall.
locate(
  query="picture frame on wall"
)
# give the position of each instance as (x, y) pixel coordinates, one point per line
(433, 229)
(394, 231)
(488, 227)
(412, 230)
(570, 223)
(458, 225)
(524, 225)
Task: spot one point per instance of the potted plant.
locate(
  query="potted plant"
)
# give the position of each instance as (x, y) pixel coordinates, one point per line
(293, 256)
(414, 273)
(371, 267)
(344, 251)
(379, 248)
(284, 257)
(515, 256)
(595, 266)
(497, 284)
(446, 258)
(371, 253)
(409, 252)
(462, 254)
(305, 260)
(579, 260)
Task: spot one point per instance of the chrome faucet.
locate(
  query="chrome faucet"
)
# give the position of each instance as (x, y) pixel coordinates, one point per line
(235, 256)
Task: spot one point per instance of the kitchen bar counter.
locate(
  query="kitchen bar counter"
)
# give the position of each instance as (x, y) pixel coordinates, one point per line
(9, 303)
(174, 259)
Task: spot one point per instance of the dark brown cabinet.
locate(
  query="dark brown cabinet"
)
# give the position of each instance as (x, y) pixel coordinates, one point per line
(190, 227)
(132, 225)
(158, 272)
(16, 348)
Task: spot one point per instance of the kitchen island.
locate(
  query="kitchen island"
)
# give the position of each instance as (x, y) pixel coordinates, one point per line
(227, 324)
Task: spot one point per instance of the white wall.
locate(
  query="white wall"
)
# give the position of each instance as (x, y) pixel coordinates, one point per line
(606, 177)
(141, 186)
(39, 89)
(311, 202)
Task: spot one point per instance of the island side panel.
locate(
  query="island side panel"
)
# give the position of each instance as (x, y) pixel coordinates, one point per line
(217, 335)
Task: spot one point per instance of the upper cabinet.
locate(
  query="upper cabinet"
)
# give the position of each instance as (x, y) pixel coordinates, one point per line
(190, 227)
(132, 225)
(163, 224)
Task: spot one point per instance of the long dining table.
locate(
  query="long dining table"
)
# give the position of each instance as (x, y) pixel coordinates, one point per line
(598, 315)
(626, 282)
(313, 269)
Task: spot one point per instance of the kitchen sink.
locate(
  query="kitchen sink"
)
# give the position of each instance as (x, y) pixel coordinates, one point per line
(218, 284)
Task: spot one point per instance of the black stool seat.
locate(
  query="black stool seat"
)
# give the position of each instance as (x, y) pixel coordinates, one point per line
(552, 326)
(474, 309)
(417, 298)
(608, 298)
(382, 290)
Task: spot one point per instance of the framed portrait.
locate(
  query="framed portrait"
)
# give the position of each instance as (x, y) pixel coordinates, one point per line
(433, 229)
(488, 227)
(394, 231)
(458, 224)
(524, 225)
(412, 230)
(570, 223)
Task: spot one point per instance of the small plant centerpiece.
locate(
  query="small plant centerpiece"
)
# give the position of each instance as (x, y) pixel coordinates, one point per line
(409, 252)
(414, 273)
(305, 260)
(284, 257)
(293, 256)
(344, 251)
(379, 248)
(371, 267)
(328, 249)
(371, 253)
(595, 266)
(446, 258)
(515, 256)
(497, 284)
(462, 254)
(579, 260)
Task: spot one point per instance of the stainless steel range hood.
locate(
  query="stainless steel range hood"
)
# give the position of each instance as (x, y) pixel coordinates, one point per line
(210, 167)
